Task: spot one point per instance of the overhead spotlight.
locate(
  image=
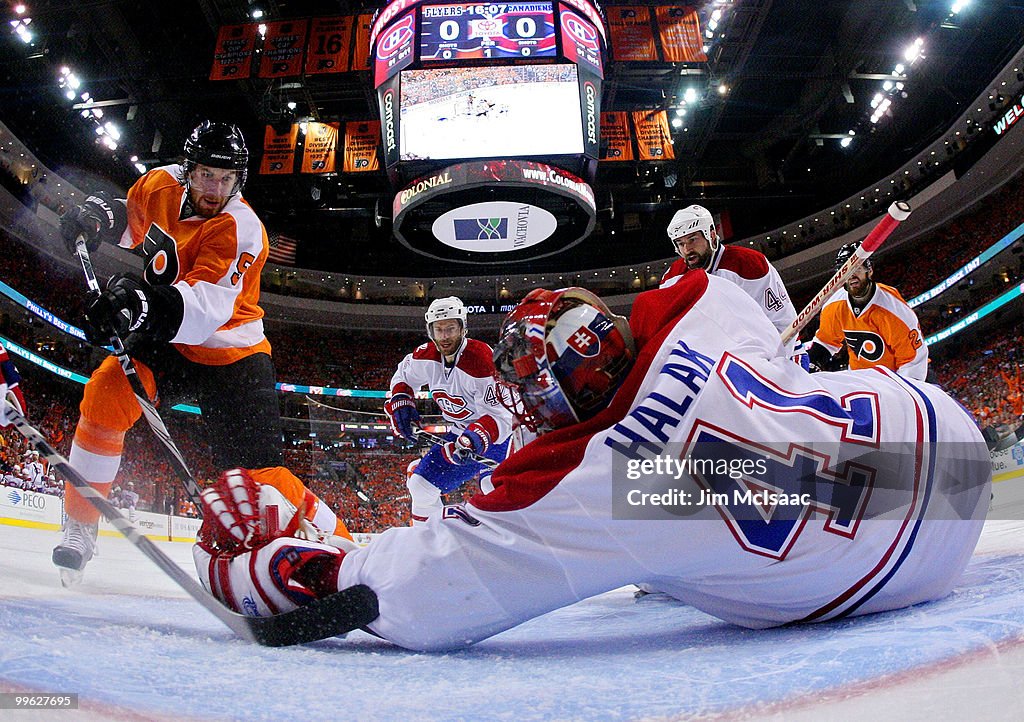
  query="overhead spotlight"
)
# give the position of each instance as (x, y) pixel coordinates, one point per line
(845, 142)
(958, 6)
(690, 95)
(20, 8)
(291, 105)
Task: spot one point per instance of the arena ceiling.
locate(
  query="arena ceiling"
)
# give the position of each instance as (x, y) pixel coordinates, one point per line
(799, 75)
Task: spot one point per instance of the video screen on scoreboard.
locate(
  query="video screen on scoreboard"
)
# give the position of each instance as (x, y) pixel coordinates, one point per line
(508, 111)
(487, 30)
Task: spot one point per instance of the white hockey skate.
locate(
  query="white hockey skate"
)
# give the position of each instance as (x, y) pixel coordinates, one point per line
(75, 550)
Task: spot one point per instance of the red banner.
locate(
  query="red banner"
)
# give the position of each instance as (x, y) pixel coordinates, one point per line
(330, 44)
(679, 31)
(279, 150)
(318, 155)
(632, 36)
(653, 139)
(616, 140)
(362, 139)
(282, 48)
(232, 56)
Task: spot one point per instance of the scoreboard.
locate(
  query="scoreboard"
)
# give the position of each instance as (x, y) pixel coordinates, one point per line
(487, 30)
(490, 124)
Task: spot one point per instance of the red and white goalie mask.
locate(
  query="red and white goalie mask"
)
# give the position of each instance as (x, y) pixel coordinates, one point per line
(561, 355)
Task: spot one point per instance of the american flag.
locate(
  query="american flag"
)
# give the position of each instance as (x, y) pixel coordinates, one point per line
(282, 249)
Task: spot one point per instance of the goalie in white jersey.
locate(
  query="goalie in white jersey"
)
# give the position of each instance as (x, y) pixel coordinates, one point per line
(865, 491)
(459, 371)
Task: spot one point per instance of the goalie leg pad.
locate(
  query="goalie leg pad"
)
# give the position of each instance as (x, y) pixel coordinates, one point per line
(280, 576)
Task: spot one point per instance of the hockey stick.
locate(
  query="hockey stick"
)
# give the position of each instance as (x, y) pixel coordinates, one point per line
(148, 410)
(330, 616)
(897, 213)
(435, 439)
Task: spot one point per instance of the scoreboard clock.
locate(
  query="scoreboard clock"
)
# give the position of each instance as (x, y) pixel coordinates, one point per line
(456, 31)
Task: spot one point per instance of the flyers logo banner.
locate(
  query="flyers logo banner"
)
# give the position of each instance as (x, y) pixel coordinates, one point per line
(282, 48)
(584, 342)
(679, 32)
(865, 344)
(652, 135)
(232, 57)
(330, 43)
(632, 36)
(362, 138)
(453, 407)
(318, 155)
(279, 150)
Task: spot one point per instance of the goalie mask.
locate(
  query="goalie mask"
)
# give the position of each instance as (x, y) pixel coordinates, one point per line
(560, 357)
(217, 145)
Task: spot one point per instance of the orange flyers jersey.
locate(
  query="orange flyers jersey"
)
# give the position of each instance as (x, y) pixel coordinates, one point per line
(886, 333)
(214, 263)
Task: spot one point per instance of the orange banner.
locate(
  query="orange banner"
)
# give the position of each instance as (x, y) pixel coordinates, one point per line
(616, 140)
(361, 53)
(362, 138)
(279, 150)
(653, 139)
(330, 44)
(679, 31)
(318, 155)
(232, 55)
(282, 48)
(632, 36)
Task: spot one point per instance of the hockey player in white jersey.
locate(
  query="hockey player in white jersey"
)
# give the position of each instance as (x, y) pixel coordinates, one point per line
(459, 371)
(696, 241)
(827, 495)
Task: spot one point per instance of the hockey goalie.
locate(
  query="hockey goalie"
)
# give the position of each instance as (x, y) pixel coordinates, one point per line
(816, 497)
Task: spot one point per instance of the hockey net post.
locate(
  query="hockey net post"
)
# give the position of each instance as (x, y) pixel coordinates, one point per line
(339, 613)
(156, 423)
(896, 214)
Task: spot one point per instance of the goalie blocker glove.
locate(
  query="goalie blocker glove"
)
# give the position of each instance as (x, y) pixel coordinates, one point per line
(100, 218)
(130, 305)
(401, 411)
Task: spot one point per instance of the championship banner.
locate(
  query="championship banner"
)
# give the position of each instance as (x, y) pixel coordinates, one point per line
(616, 140)
(632, 37)
(679, 31)
(232, 55)
(282, 48)
(361, 54)
(362, 138)
(318, 155)
(653, 139)
(279, 150)
(330, 44)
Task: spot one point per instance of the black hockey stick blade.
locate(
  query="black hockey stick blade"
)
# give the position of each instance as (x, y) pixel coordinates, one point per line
(337, 614)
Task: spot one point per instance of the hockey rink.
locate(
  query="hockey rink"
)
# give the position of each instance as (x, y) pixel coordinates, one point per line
(133, 646)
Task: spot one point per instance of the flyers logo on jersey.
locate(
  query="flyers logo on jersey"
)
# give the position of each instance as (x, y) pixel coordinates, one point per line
(584, 342)
(865, 344)
(454, 407)
(161, 254)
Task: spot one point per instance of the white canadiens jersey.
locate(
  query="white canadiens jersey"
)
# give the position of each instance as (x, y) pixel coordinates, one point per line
(872, 496)
(464, 391)
(34, 472)
(129, 499)
(750, 270)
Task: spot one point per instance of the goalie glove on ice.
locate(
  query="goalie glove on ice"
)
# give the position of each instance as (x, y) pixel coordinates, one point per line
(401, 411)
(130, 305)
(100, 218)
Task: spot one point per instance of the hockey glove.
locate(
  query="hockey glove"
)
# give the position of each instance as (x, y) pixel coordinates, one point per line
(473, 442)
(10, 388)
(401, 411)
(819, 358)
(130, 305)
(99, 218)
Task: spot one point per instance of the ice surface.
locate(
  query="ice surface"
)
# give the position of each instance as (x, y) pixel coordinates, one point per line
(134, 646)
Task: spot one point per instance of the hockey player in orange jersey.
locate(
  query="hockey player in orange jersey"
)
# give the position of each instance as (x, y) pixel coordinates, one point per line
(192, 323)
(875, 323)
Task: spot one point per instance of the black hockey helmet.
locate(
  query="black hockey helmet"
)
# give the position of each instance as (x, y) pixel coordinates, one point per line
(848, 250)
(218, 145)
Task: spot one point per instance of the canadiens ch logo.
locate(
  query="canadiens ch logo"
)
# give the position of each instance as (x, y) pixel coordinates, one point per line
(584, 342)
(454, 407)
(865, 344)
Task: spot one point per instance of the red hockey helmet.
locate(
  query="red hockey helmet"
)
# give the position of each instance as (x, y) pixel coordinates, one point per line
(560, 357)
